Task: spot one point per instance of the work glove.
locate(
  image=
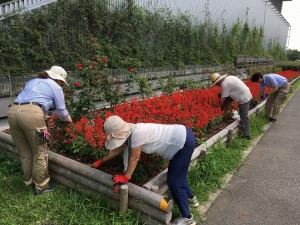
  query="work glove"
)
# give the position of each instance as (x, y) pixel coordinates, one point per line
(119, 179)
(44, 135)
(97, 163)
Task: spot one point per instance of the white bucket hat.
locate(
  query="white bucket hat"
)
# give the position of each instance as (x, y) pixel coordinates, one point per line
(57, 73)
(215, 78)
(117, 131)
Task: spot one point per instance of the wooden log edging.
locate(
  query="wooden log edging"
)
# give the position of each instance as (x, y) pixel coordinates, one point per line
(124, 198)
(74, 180)
(134, 191)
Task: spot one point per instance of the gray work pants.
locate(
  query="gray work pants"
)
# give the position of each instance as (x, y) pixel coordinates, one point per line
(244, 115)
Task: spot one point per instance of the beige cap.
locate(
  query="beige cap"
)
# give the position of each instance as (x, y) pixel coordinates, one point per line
(117, 131)
(57, 73)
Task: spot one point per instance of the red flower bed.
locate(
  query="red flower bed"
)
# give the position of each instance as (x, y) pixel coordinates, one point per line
(195, 109)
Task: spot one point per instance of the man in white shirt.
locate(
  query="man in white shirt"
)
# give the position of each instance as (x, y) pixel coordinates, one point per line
(233, 89)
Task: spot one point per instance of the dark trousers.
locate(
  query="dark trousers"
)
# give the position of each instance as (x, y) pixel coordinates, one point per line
(177, 174)
(244, 115)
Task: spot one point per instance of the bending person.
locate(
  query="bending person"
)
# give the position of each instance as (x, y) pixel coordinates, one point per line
(28, 128)
(173, 142)
(233, 89)
(280, 87)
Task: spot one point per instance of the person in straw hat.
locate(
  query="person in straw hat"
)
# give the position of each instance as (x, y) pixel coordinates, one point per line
(26, 119)
(233, 89)
(172, 142)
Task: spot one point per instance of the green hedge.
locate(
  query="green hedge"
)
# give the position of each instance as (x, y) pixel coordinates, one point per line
(289, 65)
(65, 32)
(4, 1)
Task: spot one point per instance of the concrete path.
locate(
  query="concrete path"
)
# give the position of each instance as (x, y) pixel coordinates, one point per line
(266, 189)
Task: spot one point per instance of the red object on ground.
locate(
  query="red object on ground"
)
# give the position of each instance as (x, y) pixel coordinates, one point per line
(98, 163)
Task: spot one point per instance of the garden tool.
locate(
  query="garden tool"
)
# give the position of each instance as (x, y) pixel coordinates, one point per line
(119, 179)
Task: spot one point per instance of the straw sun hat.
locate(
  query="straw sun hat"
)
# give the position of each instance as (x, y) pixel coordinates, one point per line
(117, 131)
(215, 78)
(57, 73)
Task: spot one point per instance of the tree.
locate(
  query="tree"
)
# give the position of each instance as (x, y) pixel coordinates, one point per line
(293, 54)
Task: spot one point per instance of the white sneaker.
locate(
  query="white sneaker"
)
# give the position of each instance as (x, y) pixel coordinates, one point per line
(193, 202)
(184, 221)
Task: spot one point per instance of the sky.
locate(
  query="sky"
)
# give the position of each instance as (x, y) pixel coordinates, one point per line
(290, 11)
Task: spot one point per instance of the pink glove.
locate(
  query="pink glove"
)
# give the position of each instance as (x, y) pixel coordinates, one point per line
(119, 179)
(46, 134)
(98, 163)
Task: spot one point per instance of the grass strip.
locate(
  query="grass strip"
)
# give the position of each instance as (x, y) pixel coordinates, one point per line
(60, 207)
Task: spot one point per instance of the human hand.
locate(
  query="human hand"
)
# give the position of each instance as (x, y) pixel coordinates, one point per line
(97, 163)
(223, 107)
(226, 103)
(264, 96)
(119, 179)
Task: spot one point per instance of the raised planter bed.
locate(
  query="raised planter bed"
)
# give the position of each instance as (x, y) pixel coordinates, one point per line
(148, 200)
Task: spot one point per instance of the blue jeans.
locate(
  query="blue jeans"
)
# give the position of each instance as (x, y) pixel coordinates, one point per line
(177, 174)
